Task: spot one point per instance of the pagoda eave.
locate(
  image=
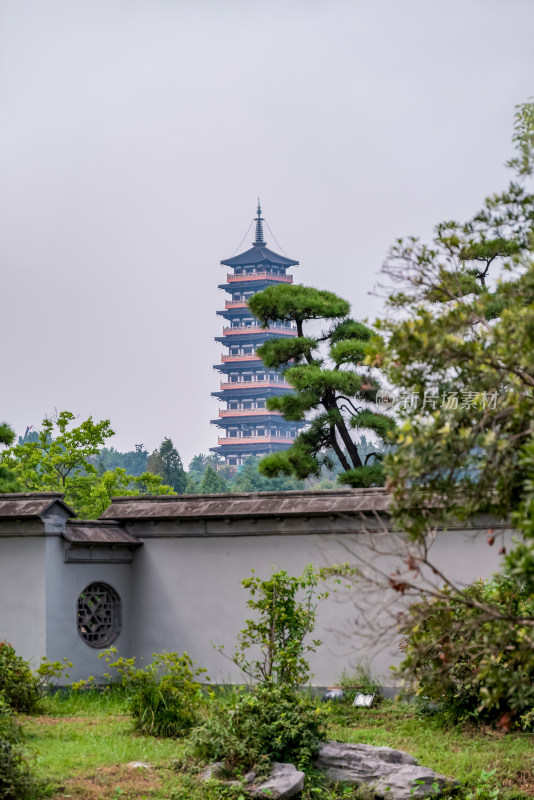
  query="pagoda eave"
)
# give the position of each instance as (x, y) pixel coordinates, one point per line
(249, 390)
(269, 418)
(254, 337)
(232, 365)
(235, 448)
(259, 253)
(256, 283)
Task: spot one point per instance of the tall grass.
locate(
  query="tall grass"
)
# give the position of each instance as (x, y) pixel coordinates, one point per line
(86, 702)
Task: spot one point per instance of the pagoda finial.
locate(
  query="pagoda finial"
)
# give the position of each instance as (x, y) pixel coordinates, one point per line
(259, 228)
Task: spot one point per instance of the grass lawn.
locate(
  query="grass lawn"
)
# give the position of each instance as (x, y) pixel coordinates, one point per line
(82, 743)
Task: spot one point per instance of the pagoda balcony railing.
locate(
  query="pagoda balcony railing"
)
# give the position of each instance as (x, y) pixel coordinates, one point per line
(242, 357)
(259, 276)
(258, 329)
(255, 384)
(239, 412)
(255, 440)
(236, 304)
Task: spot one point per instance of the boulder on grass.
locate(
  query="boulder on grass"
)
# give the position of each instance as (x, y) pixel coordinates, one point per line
(407, 782)
(390, 773)
(284, 781)
(359, 763)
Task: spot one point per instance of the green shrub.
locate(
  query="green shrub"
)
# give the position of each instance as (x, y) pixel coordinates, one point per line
(269, 723)
(284, 609)
(18, 684)
(273, 721)
(164, 698)
(21, 688)
(463, 654)
(16, 780)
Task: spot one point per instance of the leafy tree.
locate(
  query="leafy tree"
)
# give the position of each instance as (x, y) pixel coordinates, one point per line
(284, 615)
(117, 483)
(61, 460)
(167, 463)
(8, 480)
(212, 483)
(332, 390)
(462, 360)
(460, 353)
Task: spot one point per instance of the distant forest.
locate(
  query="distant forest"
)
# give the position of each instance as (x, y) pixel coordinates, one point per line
(206, 474)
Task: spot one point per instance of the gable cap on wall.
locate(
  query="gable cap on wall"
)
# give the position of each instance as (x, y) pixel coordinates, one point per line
(33, 505)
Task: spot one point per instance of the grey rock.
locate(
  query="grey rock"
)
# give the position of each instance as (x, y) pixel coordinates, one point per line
(284, 781)
(407, 782)
(139, 765)
(392, 774)
(212, 771)
(359, 763)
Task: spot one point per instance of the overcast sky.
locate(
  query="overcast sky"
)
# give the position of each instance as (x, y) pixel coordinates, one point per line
(136, 135)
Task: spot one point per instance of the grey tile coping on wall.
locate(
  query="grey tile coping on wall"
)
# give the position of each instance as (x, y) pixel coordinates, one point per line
(252, 504)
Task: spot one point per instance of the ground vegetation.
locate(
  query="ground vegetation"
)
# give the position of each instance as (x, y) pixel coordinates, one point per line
(85, 741)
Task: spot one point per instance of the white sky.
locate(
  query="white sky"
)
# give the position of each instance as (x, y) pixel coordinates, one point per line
(136, 135)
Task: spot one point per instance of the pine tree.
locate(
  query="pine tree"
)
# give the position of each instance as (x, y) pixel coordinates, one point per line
(166, 462)
(333, 392)
(212, 483)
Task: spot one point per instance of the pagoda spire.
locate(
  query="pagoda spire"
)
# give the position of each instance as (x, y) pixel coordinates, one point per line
(259, 228)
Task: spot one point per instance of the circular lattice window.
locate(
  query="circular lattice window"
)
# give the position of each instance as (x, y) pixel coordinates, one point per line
(99, 615)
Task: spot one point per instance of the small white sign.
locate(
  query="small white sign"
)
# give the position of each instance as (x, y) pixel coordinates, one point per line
(363, 700)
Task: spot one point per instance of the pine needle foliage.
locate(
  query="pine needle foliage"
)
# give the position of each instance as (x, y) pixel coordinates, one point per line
(334, 393)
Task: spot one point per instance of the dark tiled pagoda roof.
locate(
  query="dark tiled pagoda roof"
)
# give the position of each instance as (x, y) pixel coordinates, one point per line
(258, 255)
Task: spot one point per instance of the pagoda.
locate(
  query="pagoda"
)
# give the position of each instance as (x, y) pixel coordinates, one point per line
(249, 428)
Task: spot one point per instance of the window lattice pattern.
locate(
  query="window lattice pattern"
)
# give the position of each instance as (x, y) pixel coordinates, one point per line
(99, 615)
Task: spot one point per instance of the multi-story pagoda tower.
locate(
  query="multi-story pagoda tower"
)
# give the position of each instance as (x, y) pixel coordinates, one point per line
(249, 428)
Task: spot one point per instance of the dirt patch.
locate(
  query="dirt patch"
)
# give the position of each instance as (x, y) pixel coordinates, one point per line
(119, 781)
(523, 780)
(57, 720)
